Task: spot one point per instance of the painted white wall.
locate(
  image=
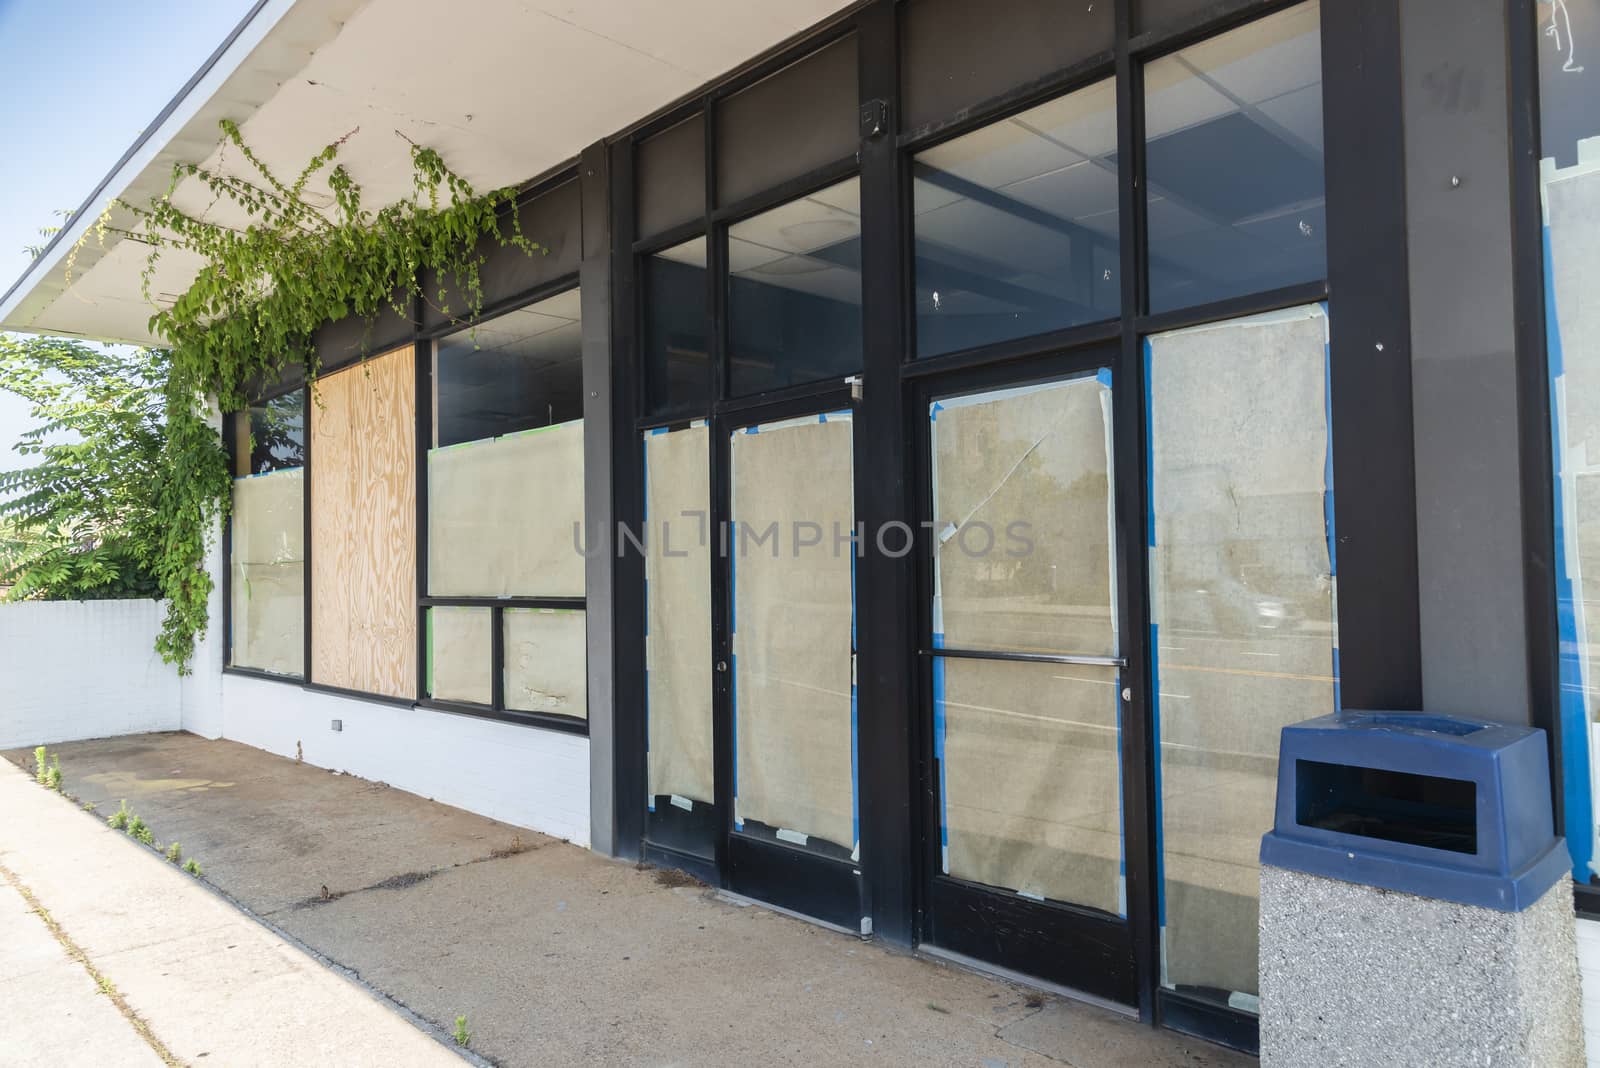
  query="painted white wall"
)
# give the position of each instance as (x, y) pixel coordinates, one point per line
(1589, 969)
(522, 775)
(201, 696)
(83, 669)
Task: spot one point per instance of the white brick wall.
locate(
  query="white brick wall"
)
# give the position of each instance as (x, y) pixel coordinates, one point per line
(523, 775)
(83, 669)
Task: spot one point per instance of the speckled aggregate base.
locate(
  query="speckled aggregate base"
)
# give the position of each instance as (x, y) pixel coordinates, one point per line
(1354, 975)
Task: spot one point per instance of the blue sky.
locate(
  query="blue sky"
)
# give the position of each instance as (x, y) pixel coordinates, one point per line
(80, 79)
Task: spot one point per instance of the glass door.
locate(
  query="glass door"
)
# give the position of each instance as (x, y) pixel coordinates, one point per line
(1027, 865)
(790, 552)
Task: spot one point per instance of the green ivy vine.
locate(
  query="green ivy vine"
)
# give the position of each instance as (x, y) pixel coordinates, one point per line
(311, 252)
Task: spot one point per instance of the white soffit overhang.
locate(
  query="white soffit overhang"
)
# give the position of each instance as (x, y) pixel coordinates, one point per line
(504, 95)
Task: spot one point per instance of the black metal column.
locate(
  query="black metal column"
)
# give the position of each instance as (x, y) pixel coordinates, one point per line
(1467, 430)
(594, 278)
(1375, 499)
(885, 611)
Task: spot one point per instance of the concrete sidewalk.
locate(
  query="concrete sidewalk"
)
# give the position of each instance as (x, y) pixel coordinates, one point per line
(557, 956)
(112, 956)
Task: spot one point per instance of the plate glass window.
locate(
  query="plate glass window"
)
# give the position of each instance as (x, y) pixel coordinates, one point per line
(1030, 771)
(1242, 580)
(1233, 159)
(505, 514)
(1570, 188)
(794, 291)
(267, 546)
(1016, 225)
(518, 371)
(677, 367)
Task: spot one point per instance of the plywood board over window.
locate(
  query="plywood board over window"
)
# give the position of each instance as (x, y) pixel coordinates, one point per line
(363, 528)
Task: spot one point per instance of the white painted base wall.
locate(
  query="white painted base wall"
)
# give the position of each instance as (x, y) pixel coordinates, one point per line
(83, 669)
(1589, 969)
(523, 775)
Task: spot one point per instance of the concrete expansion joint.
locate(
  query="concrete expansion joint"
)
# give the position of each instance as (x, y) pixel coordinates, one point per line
(76, 952)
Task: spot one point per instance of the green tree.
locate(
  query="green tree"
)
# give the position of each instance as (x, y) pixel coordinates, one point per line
(80, 522)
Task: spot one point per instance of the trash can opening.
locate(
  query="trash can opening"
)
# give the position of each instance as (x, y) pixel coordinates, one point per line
(1395, 806)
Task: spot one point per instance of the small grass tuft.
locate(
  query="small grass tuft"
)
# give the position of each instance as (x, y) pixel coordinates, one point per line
(119, 819)
(192, 867)
(174, 852)
(53, 776)
(41, 770)
(461, 1034)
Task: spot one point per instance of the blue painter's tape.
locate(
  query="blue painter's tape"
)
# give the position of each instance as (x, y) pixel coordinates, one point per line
(938, 744)
(659, 431)
(1149, 460)
(855, 734)
(1122, 821)
(933, 411)
(855, 771)
(1327, 471)
(1577, 797)
(644, 452)
(1103, 376)
(1155, 632)
(733, 731)
(1329, 529)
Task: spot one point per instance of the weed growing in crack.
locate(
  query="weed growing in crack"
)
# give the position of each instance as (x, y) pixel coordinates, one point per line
(192, 867)
(461, 1034)
(119, 819)
(53, 776)
(40, 769)
(174, 852)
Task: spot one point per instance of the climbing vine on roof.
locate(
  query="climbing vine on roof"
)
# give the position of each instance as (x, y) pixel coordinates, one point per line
(307, 251)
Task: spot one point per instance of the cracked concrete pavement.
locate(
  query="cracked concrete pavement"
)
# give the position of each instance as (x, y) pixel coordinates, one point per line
(558, 956)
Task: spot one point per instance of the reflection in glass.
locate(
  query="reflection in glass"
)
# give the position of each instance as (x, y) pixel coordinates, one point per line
(1242, 595)
(1024, 519)
(266, 549)
(271, 436)
(514, 372)
(1233, 156)
(677, 369)
(794, 291)
(793, 621)
(1028, 754)
(1016, 225)
(1569, 125)
(1032, 778)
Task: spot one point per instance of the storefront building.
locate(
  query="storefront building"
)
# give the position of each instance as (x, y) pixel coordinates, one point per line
(904, 491)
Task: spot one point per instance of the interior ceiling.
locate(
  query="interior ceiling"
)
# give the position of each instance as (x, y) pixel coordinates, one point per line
(506, 96)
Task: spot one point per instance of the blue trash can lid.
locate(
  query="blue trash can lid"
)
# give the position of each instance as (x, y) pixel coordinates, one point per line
(1439, 806)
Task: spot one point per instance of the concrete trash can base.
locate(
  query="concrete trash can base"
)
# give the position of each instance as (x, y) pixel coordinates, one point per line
(1416, 903)
(1358, 975)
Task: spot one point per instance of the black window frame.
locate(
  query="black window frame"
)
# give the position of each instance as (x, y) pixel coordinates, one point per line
(1366, 265)
(230, 436)
(427, 351)
(343, 344)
